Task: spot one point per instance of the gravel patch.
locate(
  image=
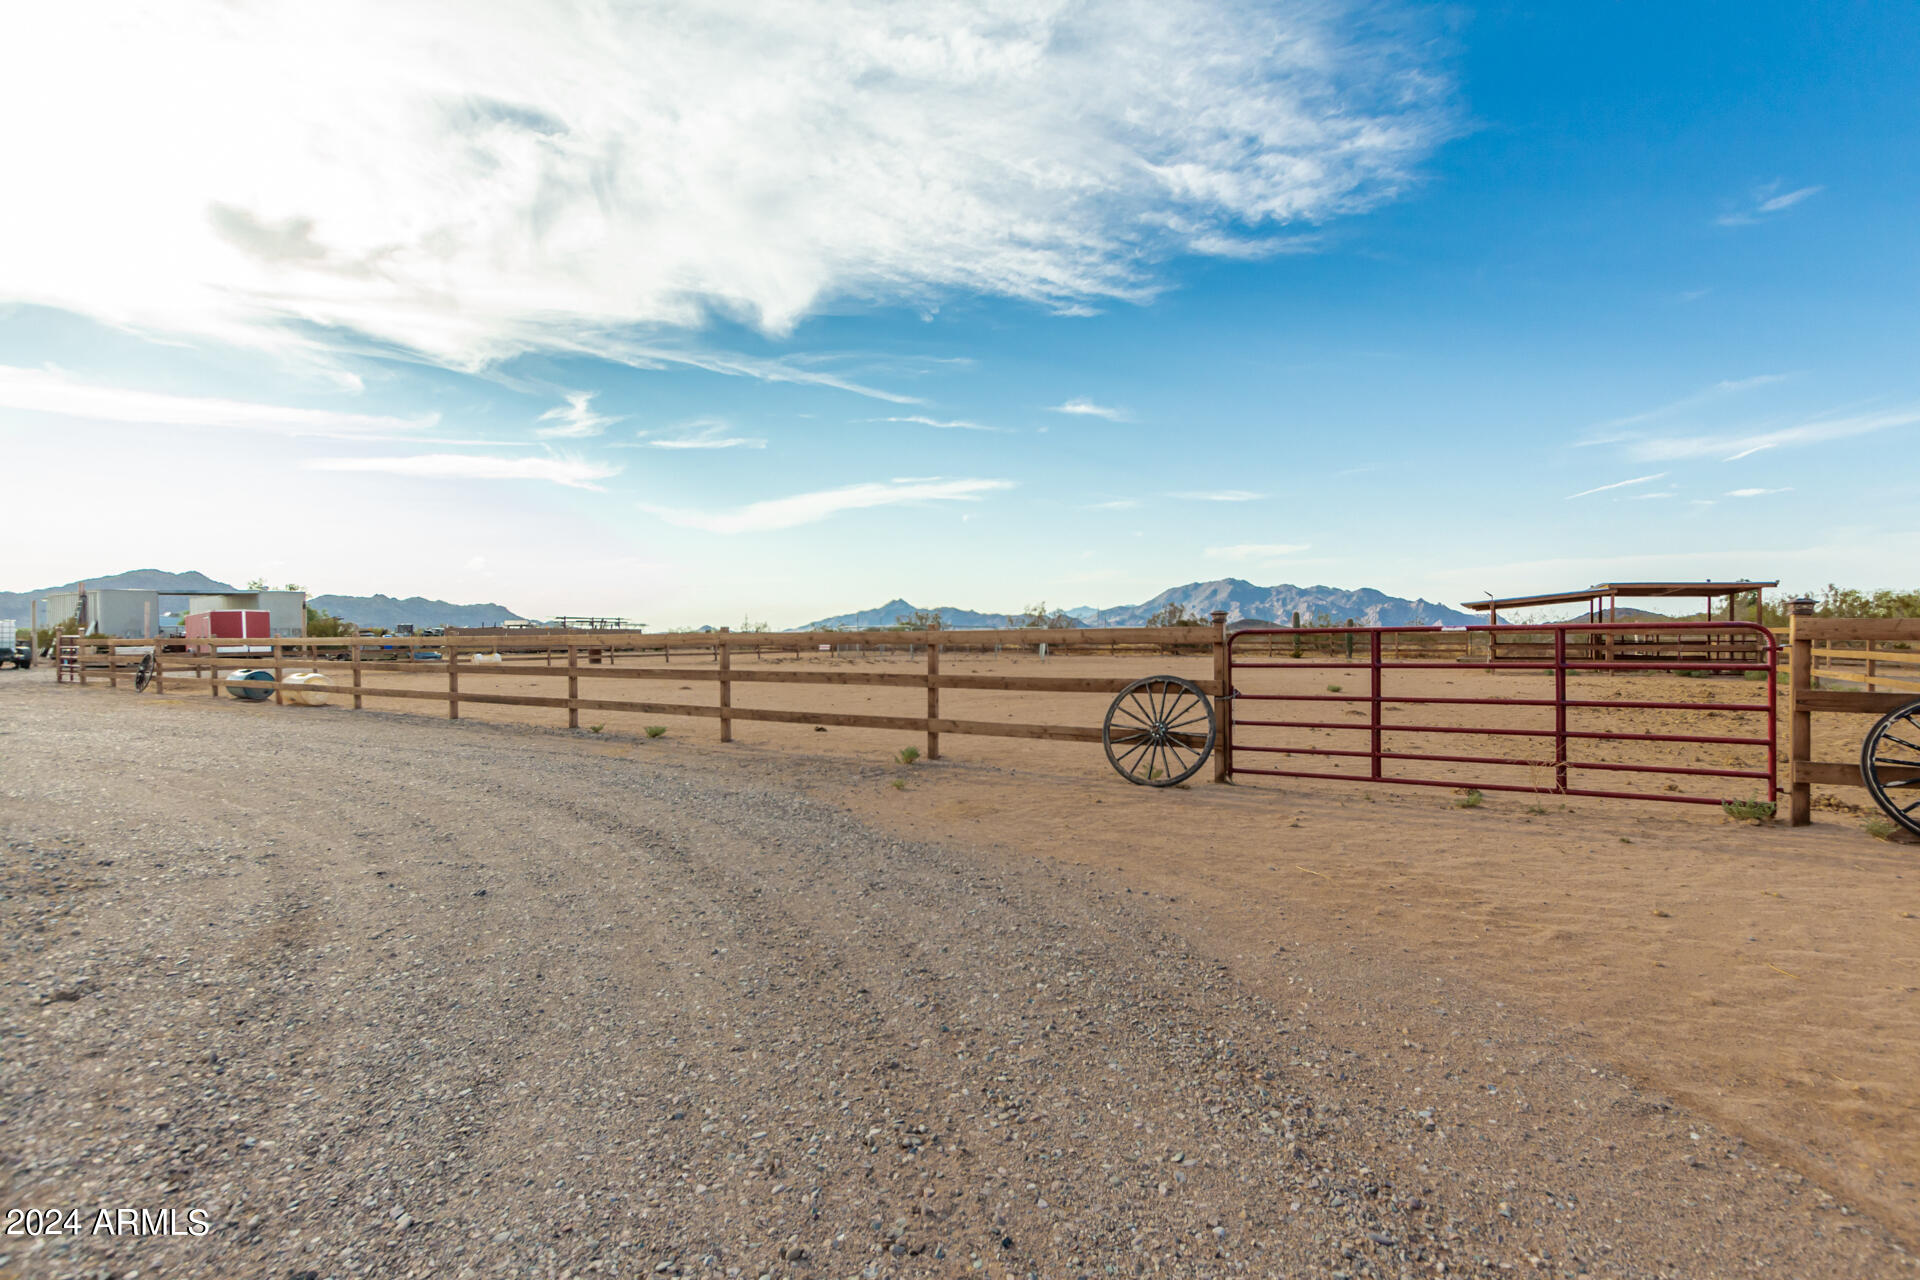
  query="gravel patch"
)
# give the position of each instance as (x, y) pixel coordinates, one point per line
(384, 996)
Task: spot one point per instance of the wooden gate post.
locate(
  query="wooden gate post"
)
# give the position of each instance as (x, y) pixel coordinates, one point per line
(353, 650)
(933, 696)
(1222, 701)
(573, 685)
(279, 662)
(723, 653)
(453, 681)
(1800, 738)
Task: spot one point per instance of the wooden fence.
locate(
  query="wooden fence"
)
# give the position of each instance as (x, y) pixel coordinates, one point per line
(1882, 655)
(202, 663)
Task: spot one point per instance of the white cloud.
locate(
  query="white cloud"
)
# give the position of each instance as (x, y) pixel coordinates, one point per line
(1756, 493)
(1718, 391)
(701, 433)
(807, 508)
(955, 424)
(1115, 504)
(573, 472)
(468, 180)
(1085, 408)
(1217, 495)
(710, 442)
(1618, 484)
(1765, 201)
(575, 419)
(1733, 446)
(52, 391)
(1258, 550)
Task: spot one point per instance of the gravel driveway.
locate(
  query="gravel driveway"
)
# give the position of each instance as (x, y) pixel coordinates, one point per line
(385, 996)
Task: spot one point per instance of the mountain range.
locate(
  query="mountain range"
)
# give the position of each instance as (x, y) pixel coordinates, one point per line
(386, 611)
(1242, 600)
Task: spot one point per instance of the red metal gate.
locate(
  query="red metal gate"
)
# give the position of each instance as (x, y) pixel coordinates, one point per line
(1580, 673)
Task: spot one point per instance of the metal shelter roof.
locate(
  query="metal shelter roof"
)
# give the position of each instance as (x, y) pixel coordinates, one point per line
(1634, 590)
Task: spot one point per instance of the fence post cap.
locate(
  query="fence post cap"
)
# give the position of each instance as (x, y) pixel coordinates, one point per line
(1801, 606)
(1219, 616)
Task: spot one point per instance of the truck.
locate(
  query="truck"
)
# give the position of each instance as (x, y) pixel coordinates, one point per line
(16, 646)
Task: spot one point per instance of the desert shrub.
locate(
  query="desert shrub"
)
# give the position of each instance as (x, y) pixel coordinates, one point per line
(1469, 799)
(656, 731)
(908, 755)
(1749, 810)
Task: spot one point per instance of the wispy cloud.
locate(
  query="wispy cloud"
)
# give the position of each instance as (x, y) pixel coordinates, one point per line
(53, 391)
(1084, 408)
(1733, 446)
(575, 419)
(468, 182)
(1217, 495)
(808, 508)
(701, 433)
(1764, 202)
(1258, 550)
(1756, 493)
(1718, 391)
(710, 442)
(953, 424)
(1113, 504)
(1618, 484)
(575, 473)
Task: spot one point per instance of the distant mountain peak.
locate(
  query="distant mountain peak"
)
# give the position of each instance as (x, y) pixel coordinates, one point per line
(1241, 600)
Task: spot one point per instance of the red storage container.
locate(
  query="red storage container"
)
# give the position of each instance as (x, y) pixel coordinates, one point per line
(228, 624)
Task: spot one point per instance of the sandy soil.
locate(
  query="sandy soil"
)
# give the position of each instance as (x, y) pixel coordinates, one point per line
(1761, 978)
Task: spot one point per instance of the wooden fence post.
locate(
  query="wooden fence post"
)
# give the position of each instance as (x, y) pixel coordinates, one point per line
(1800, 738)
(1222, 702)
(353, 649)
(573, 685)
(933, 696)
(723, 654)
(113, 664)
(1873, 669)
(159, 667)
(279, 663)
(453, 681)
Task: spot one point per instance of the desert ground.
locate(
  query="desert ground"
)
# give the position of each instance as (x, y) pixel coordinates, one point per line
(391, 996)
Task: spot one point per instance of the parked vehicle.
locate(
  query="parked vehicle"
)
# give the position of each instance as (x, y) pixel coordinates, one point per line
(16, 646)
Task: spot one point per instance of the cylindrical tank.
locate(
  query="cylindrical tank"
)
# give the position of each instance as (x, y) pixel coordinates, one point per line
(241, 684)
(312, 690)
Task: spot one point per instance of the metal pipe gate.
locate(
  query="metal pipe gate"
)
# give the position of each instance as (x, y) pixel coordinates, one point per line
(1579, 716)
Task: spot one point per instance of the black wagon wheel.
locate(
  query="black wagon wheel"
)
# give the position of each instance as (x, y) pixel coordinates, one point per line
(144, 676)
(1890, 765)
(1159, 731)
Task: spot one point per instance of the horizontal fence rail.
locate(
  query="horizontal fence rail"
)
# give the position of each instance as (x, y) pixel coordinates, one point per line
(1554, 653)
(464, 660)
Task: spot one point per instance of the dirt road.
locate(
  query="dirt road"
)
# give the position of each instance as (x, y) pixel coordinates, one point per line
(387, 996)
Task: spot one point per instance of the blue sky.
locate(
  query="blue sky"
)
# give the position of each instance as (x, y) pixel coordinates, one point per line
(682, 313)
